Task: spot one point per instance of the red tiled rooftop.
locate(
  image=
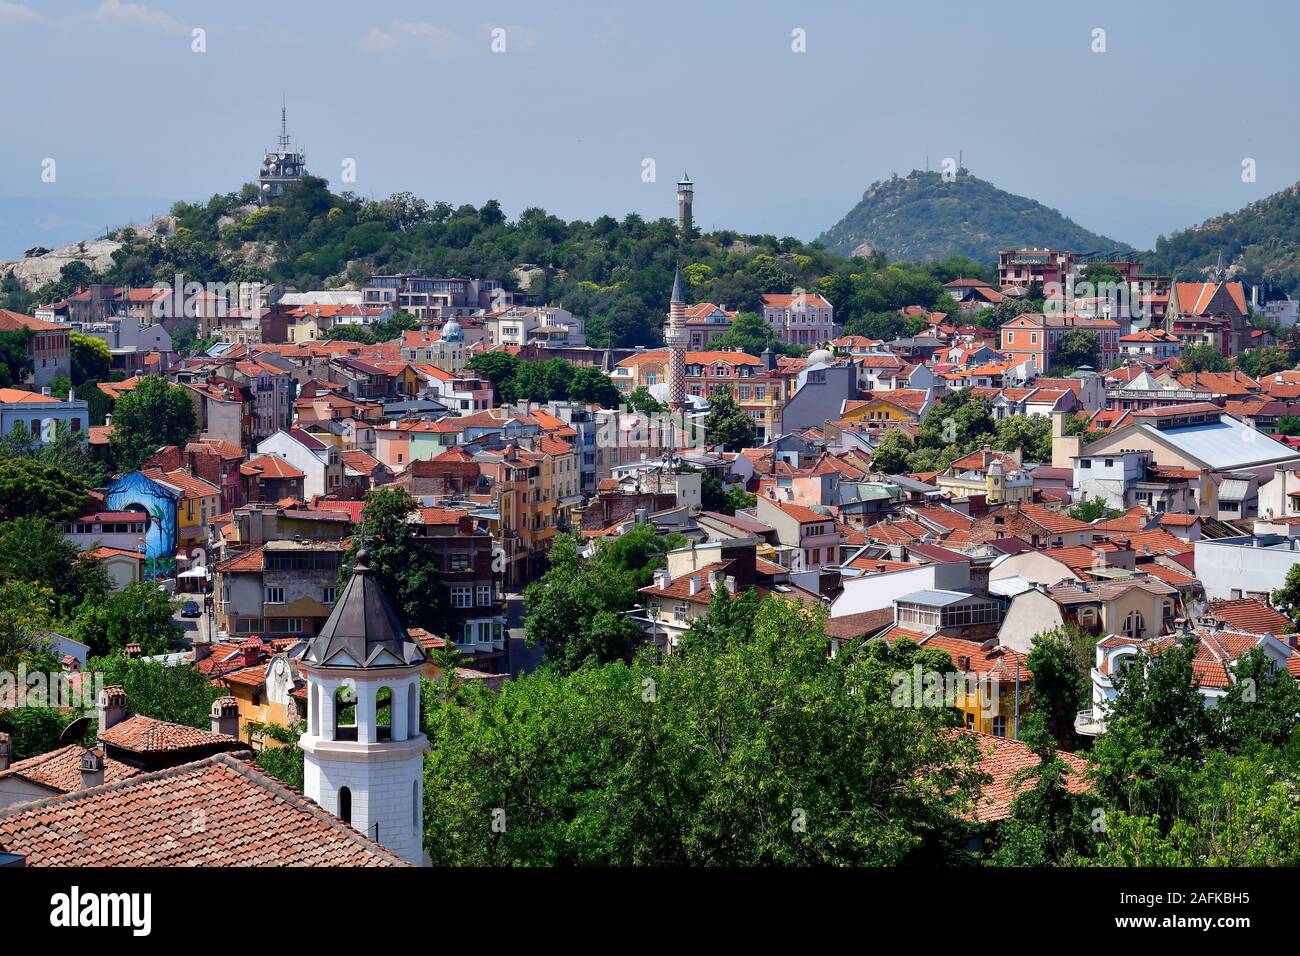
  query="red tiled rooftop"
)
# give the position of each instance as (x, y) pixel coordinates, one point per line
(249, 819)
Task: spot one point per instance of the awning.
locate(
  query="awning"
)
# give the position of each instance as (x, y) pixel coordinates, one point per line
(199, 572)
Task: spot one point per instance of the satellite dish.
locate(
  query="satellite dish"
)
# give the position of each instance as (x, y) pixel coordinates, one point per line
(75, 732)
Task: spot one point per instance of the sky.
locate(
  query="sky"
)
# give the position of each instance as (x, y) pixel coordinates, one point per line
(1144, 137)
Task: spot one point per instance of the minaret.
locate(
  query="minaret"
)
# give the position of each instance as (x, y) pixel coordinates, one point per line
(685, 197)
(675, 339)
(363, 750)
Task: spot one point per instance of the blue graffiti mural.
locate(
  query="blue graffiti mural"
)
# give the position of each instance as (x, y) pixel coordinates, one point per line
(134, 492)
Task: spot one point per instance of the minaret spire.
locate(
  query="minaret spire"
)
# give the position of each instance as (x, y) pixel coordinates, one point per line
(675, 340)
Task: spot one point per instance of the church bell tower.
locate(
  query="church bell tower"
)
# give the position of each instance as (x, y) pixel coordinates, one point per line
(364, 752)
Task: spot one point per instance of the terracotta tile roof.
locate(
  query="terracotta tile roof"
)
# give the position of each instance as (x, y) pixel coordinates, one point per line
(1135, 519)
(1056, 522)
(1251, 616)
(1171, 520)
(12, 321)
(269, 466)
(144, 735)
(995, 661)
(248, 819)
(1178, 579)
(851, 626)
(1005, 760)
(1157, 541)
(248, 561)
(61, 769)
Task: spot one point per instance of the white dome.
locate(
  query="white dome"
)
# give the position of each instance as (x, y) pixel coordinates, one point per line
(452, 332)
(819, 357)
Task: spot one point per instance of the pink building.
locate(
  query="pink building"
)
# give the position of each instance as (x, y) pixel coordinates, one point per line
(803, 318)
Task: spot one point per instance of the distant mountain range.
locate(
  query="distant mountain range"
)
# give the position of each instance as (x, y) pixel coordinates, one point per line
(921, 217)
(1262, 239)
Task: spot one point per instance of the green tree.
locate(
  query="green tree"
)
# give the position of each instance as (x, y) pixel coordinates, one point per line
(153, 414)
(30, 488)
(1202, 358)
(1262, 705)
(577, 611)
(405, 566)
(1032, 434)
(593, 387)
(640, 400)
(32, 549)
(178, 695)
(1158, 731)
(727, 425)
(1264, 361)
(141, 613)
(91, 358)
(1092, 509)
(1287, 598)
(1077, 347)
(748, 747)
(891, 455)
(15, 357)
(1059, 688)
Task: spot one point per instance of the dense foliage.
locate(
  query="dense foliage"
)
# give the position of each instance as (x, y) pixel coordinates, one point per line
(922, 217)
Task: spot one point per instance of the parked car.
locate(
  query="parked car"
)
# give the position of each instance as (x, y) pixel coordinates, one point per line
(191, 609)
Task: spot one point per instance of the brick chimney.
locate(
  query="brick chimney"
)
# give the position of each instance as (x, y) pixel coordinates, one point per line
(133, 650)
(112, 707)
(6, 751)
(252, 653)
(225, 716)
(202, 652)
(92, 769)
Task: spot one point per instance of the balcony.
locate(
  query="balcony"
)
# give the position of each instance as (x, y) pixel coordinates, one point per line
(1089, 723)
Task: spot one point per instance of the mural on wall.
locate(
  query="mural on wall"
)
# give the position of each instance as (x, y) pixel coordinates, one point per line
(135, 492)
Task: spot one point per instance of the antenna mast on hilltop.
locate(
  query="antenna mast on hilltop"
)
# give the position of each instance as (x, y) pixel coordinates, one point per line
(284, 125)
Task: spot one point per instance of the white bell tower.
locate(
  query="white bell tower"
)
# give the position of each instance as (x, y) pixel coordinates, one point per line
(364, 752)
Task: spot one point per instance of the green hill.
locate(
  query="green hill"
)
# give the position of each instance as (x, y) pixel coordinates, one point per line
(1261, 239)
(922, 218)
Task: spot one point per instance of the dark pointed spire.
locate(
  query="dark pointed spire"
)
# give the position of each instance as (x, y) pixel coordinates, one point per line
(677, 287)
(363, 630)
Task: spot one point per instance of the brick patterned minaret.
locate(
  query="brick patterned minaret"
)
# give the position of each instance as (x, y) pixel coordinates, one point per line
(675, 337)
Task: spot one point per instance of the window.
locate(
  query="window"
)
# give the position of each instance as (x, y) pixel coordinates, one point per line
(274, 595)
(345, 805)
(462, 595)
(484, 594)
(970, 721)
(999, 726)
(1133, 624)
(459, 562)
(329, 595)
(1085, 463)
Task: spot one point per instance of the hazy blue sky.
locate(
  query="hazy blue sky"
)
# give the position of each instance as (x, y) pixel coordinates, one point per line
(1145, 138)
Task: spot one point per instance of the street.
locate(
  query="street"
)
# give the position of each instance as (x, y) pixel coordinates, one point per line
(522, 657)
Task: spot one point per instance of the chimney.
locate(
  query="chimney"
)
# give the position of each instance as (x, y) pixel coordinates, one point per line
(665, 579)
(731, 584)
(897, 552)
(5, 751)
(112, 707)
(108, 420)
(963, 663)
(713, 581)
(225, 717)
(132, 650)
(92, 769)
(202, 652)
(695, 584)
(252, 653)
